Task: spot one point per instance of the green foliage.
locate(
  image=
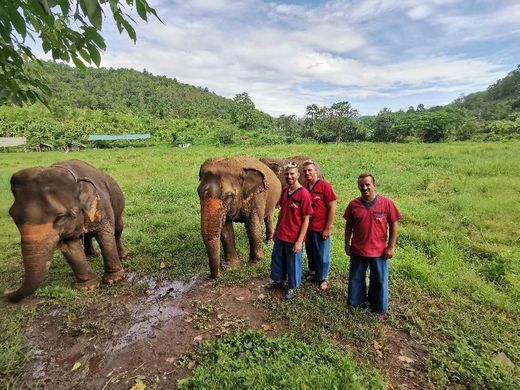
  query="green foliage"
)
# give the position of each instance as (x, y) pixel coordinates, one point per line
(136, 102)
(69, 31)
(253, 360)
(500, 101)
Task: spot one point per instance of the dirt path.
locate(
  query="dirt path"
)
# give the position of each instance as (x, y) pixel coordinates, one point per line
(149, 338)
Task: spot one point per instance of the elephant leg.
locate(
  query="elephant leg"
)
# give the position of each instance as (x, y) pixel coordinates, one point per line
(123, 254)
(90, 251)
(114, 272)
(254, 234)
(74, 252)
(269, 227)
(227, 237)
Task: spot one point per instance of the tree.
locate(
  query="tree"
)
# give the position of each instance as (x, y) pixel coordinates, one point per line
(68, 29)
(243, 111)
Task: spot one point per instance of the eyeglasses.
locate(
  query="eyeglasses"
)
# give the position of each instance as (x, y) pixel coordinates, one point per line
(290, 165)
(307, 162)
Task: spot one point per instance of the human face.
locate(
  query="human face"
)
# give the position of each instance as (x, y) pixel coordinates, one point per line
(310, 174)
(366, 187)
(291, 176)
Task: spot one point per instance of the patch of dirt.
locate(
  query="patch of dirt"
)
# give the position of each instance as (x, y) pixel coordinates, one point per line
(149, 338)
(402, 359)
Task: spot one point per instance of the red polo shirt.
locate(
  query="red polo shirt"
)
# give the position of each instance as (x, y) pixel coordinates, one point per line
(370, 225)
(321, 194)
(293, 208)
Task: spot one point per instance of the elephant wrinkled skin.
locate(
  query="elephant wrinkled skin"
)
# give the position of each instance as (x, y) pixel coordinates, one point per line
(64, 206)
(236, 189)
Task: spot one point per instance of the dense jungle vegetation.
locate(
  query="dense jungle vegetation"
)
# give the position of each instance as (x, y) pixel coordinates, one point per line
(121, 101)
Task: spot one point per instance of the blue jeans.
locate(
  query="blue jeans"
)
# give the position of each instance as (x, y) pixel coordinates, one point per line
(318, 254)
(285, 264)
(378, 288)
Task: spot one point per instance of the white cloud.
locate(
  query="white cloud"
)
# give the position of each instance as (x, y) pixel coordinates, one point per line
(289, 56)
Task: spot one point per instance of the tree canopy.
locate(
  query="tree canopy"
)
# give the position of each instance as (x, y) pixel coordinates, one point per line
(67, 29)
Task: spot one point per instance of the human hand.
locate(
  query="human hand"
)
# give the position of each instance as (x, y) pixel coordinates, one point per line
(297, 247)
(347, 249)
(389, 252)
(325, 234)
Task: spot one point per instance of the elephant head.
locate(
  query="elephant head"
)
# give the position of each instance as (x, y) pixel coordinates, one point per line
(49, 205)
(227, 190)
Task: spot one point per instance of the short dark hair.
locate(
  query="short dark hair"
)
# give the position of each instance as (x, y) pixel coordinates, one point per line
(366, 174)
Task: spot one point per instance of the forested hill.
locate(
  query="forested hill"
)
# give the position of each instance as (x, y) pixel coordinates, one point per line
(499, 101)
(132, 92)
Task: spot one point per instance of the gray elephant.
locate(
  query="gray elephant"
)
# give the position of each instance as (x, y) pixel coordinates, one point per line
(65, 206)
(235, 189)
(277, 165)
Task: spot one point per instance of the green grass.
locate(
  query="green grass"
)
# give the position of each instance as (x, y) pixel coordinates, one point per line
(251, 359)
(455, 280)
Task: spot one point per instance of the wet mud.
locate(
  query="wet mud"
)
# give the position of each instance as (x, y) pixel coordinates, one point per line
(148, 338)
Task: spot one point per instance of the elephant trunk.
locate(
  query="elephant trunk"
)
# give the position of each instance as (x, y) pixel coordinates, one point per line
(38, 243)
(212, 219)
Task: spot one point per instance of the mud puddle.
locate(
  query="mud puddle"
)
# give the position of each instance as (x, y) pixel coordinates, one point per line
(119, 341)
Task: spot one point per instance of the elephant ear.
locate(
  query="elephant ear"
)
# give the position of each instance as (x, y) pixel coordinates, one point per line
(89, 201)
(253, 182)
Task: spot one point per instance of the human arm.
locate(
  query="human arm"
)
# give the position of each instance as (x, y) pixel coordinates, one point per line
(392, 239)
(331, 211)
(348, 235)
(298, 245)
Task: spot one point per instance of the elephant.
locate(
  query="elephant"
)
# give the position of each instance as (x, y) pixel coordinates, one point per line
(64, 206)
(277, 166)
(235, 189)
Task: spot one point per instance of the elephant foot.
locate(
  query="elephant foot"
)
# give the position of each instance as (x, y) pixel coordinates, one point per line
(114, 277)
(231, 264)
(254, 260)
(123, 255)
(88, 285)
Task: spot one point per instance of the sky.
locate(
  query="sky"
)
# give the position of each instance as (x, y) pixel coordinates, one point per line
(288, 55)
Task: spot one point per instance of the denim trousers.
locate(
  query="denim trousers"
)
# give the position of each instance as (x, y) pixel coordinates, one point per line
(378, 282)
(285, 264)
(318, 254)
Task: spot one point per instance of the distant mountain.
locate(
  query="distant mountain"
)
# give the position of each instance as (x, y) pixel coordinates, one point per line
(132, 92)
(500, 101)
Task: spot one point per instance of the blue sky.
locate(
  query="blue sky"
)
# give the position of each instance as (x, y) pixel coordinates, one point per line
(287, 55)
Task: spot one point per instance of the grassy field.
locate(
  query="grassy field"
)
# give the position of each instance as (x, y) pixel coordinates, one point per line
(455, 279)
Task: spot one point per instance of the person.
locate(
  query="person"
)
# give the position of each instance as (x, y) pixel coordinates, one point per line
(317, 244)
(369, 220)
(293, 220)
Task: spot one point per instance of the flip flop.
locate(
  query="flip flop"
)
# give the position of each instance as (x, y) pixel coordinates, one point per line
(324, 285)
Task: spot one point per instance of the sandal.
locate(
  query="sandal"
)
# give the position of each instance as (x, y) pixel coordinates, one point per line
(324, 284)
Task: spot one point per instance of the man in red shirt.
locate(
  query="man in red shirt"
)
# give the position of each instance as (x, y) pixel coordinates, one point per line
(293, 220)
(371, 218)
(317, 244)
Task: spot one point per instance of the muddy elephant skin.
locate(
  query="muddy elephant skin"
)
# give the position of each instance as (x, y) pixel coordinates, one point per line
(236, 189)
(277, 165)
(64, 206)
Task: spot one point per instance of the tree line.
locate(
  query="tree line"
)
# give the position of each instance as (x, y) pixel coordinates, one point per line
(115, 101)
